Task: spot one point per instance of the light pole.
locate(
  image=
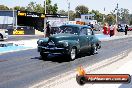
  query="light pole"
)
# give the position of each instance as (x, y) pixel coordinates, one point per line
(68, 9)
(13, 18)
(104, 15)
(45, 13)
(117, 14)
(45, 6)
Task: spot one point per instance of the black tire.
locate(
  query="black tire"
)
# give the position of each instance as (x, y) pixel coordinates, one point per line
(80, 80)
(72, 54)
(94, 49)
(1, 37)
(43, 56)
(98, 46)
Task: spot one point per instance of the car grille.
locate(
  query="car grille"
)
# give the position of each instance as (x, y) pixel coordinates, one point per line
(51, 44)
(43, 44)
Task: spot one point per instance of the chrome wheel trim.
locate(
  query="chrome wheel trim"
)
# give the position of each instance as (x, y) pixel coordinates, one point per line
(95, 49)
(73, 54)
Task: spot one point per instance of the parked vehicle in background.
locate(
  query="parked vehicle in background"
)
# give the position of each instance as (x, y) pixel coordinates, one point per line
(97, 27)
(3, 34)
(121, 27)
(130, 28)
(72, 40)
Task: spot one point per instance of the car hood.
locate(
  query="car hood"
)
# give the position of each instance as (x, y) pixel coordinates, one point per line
(59, 37)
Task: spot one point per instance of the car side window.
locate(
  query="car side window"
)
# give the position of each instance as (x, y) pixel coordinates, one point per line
(69, 30)
(83, 31)
(89, 32)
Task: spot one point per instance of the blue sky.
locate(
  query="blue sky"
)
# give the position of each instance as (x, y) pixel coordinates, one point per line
(91, 4)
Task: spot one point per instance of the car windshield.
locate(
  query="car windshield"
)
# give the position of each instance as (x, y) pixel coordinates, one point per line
(69, 29)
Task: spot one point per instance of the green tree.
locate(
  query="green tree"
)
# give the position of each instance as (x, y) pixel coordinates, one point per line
(123, 15)
(34, 7)
(54, 9)
(110, 19)
(31, 7)
(131, 22)
(51, 9)
(48, 6)
(39, 8)
(3, 7)
(19, 8)
(98, 15)
(63, 12)
(81, 10)
(72, 15)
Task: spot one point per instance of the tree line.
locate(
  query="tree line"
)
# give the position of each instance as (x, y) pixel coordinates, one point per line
(123, 14)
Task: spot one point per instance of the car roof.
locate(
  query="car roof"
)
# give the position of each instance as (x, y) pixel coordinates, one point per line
(76, 25)
(85, 26)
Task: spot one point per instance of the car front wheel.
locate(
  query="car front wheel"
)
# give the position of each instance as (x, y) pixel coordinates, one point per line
(73, 54)
(43, 56)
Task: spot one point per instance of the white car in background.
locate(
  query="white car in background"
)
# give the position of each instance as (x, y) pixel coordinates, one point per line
(3, 34)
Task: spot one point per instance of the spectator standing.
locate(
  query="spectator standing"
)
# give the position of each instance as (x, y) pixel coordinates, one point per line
(126, 28)
(106, 29)
(111, 30)
(47, 30)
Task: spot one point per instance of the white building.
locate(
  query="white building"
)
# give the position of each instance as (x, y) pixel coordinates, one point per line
(87, 18)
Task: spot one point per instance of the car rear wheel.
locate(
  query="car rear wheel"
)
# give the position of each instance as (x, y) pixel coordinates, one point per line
(94, 49)
(43, 56)
(73, 54)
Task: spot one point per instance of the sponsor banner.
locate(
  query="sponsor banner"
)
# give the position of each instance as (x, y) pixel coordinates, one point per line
(83, 78)
(30, 14)
(18, 32)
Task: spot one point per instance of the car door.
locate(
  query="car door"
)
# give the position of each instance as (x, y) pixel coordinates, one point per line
(91, 36)
(83, 41)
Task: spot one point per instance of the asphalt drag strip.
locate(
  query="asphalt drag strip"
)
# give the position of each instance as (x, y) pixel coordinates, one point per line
(24, 69)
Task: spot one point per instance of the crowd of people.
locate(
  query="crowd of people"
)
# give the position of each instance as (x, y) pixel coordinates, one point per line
(107, 29)
(111, 29)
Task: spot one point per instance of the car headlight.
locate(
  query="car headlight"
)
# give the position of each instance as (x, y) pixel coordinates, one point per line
(39, 42)
(65, 44)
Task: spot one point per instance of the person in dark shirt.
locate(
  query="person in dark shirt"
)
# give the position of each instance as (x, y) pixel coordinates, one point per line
(126, 28)
(47, 30)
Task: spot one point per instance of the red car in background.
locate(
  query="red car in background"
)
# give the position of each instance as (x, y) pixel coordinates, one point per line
(130, 28)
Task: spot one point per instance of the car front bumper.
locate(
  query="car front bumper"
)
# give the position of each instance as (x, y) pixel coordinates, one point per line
(53, 50)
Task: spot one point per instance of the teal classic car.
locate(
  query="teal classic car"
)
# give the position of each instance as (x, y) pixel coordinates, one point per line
(70, 41)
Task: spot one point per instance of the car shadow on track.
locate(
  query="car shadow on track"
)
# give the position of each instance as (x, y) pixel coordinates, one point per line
(83, 55)
(37, 58)
(60, 58)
